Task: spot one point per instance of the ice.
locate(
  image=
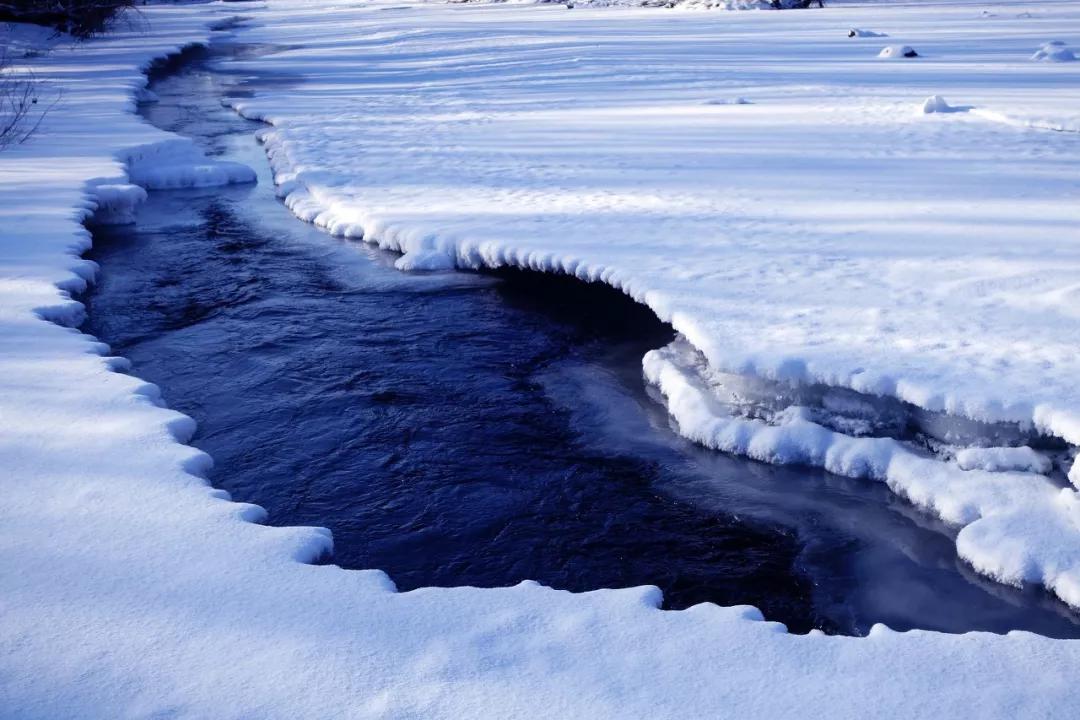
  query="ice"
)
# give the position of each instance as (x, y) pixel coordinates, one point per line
(822, 239)
(429, 260)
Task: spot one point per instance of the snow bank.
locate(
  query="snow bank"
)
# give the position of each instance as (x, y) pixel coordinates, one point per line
(132, 589)
(1017, 527)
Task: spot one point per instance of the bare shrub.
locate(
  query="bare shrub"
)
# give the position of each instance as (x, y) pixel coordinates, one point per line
(21, 104)
(79, 18)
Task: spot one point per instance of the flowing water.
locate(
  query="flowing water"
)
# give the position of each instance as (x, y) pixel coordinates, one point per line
(482, 429)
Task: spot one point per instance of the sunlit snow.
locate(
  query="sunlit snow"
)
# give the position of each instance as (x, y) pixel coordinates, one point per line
(759, 179)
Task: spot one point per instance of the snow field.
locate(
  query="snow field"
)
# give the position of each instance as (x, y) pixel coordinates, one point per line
(132, 589)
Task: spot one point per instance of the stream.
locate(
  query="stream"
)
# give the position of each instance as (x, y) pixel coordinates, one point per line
(482, 428)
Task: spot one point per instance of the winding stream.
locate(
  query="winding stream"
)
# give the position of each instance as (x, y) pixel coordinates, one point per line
(482, 429)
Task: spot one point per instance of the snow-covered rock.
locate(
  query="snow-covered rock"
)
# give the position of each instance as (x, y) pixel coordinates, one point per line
(897, 52)
(936, 104)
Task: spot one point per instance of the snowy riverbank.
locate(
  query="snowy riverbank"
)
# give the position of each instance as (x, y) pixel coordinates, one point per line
(770, 186)
(131, 588)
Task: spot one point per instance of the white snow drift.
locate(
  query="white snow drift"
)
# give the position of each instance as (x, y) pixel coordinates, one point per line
(823, 236)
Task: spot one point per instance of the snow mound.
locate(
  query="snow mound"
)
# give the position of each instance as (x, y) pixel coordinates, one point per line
(937, 104)
(1054, 51)
(861, 33)
(1004, 459)
(897, 52)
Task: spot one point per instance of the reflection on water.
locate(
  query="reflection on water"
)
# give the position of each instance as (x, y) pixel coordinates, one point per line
(483, 429)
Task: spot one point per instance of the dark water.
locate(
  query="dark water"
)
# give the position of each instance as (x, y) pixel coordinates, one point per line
(483, 429)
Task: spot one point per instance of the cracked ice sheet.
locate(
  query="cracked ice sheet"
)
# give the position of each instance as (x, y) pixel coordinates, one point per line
(130, 588)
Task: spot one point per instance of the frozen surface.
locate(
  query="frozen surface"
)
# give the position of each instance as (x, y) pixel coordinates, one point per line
(823, 232)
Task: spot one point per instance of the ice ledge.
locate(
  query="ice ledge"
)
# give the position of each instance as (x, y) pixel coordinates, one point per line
(1015, 527)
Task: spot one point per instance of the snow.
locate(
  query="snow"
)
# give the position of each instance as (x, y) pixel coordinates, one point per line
(937, 104)
(821, 235)
(1002, 459)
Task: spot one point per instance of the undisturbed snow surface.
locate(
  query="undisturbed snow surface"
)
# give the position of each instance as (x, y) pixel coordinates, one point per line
(820, 231)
